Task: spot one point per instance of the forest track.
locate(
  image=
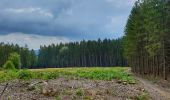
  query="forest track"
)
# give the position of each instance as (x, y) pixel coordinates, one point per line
(156, 92)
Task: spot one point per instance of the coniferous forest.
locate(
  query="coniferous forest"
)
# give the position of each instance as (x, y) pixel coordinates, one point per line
(104, 53)
(28, 57)
(147, 38)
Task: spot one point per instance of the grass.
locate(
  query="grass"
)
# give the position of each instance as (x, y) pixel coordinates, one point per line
(79, 92)
(58, 98)
(118, 73)
(143, 96)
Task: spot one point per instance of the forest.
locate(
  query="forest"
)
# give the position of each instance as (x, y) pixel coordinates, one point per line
(27, 57)
(101, 53)
(147, 38)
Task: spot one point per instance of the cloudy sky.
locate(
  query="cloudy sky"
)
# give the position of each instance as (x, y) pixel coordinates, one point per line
(39, 22)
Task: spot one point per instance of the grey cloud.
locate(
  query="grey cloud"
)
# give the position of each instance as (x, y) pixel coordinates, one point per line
(77, 19)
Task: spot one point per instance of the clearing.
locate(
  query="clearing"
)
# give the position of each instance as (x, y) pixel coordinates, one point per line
(77, 84)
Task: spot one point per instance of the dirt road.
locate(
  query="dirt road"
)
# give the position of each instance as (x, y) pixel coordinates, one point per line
(156, 92)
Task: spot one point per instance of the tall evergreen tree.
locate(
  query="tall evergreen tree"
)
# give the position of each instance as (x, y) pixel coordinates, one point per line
(146, 41)
(83, 54)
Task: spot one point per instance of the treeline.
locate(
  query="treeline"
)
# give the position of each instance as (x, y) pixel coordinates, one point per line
(83, 54)
(147, 38)
(98, 53)
(28, 57)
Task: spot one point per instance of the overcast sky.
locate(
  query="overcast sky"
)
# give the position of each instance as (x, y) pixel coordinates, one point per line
(42, 22)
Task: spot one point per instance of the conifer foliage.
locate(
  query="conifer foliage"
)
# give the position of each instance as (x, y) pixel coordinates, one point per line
(21, 57)
(147, 38)
(83, 54)
(100, 53)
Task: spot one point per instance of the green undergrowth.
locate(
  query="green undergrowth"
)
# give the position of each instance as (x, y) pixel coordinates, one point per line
(118, 73)
(143, 96)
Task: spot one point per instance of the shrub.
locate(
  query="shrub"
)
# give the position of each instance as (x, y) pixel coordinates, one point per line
(25, 74)
(9, 65)
(50, 75)
(15, 58)
(79, 92)
(143, 96)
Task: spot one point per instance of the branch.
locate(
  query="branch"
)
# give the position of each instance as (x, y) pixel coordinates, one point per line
(4, 90)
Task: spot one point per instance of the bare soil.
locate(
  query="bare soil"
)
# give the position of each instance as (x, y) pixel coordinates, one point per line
(81, 89)
(70, 89)
(158, 90)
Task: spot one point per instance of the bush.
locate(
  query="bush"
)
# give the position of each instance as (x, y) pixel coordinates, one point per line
(50, 75)
(143, 96)
(15, 58)
(25, 74)
(79, 92)
(9, 65)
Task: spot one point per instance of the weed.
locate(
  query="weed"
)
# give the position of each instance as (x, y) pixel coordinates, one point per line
(67, 92)
(87, 98)
(9, 98)
(143, 96)
(118, 73)
(25, 74)
(49, 75)
(58, 98)
(79, 92)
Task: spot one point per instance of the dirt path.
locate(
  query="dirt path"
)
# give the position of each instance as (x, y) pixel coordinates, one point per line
(154, 91)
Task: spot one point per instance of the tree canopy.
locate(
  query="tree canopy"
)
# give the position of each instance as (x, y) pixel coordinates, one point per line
(83, 54)
(146, 40)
